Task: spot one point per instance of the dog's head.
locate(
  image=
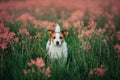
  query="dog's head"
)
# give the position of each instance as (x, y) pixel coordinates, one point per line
(57, 36)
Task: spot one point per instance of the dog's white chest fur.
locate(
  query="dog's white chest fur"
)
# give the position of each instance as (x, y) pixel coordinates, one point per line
(56, 52)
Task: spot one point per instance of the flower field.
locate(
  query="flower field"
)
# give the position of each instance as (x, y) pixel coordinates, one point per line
(93, 41)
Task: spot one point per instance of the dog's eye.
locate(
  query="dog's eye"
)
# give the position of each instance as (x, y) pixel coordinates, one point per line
(60, 37)
(53, 37)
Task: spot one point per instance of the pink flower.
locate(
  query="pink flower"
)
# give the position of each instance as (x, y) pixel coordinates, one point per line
(76, 15)
(3, 31)
(43, 70)
(48, 24)
(118, 35)
(77, 24)
(91, 72)
(88, 48)
(16, 40)
(47, 72)
(3, 45)
(25, 71)
(98, 71)
(117, 47)
(104, 41)
(39, 62)
(92, 23)
(33, 70)
(112, 25)
(66, 24)
(10, 36)
(37, 10)
(111, 38)
(31, 62)
(101, 71)
(23, 31)
(5, 17)
(4, 35)
(25, 17)
(100, 31)
(6, 29)
(109, 16)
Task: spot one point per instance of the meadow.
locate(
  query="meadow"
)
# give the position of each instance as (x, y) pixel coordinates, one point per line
(93, 41)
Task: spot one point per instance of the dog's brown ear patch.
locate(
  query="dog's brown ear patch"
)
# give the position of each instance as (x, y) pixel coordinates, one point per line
(65, 32)
(50, 32)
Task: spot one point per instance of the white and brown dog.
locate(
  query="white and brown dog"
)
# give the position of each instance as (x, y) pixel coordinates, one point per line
(56, 45)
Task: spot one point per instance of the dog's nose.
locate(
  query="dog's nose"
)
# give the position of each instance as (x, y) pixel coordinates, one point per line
(57, 42)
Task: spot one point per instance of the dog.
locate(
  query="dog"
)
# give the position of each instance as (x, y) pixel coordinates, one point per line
(56, 46)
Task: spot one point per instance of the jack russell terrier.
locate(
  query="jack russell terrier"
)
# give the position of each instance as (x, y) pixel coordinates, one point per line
(56, 46)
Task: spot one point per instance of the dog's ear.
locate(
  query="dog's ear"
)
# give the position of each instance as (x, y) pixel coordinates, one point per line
(65, 32)
(50, 32)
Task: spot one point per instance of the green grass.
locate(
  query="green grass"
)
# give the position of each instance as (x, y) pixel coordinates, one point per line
(78, 65)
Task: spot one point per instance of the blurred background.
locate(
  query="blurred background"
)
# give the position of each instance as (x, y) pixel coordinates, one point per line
(57, 10)
(93, 40)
